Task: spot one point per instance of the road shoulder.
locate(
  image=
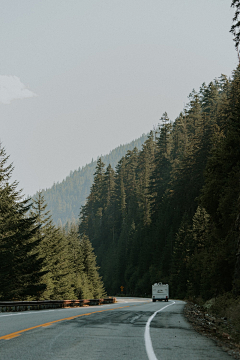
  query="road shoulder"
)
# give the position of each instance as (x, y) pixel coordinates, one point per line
(211, 327)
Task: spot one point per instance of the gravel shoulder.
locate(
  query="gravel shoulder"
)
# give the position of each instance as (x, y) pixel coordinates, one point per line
(217, 329)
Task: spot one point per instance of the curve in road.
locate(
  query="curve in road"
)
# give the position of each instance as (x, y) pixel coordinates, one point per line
(109, 332)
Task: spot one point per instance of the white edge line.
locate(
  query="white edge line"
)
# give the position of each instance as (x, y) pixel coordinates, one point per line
(148, 342)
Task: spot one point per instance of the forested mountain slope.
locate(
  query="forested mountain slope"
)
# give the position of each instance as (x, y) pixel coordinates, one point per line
(65, 199)
(171, 211)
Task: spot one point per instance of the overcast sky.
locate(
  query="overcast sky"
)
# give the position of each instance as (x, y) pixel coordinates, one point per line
(80, 77)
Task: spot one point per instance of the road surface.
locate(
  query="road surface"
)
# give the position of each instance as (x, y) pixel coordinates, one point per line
(132, 329)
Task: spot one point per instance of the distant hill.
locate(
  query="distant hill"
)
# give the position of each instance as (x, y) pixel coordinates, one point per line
(66, 198)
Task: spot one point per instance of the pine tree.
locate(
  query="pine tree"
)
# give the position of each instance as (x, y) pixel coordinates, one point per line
(199, 247)
(53, 249)
(180, 260)
(91, 213)
(90, 268)
(78, 278)
(144, 173)
(235, 29)
(20, 267)
(161, 173)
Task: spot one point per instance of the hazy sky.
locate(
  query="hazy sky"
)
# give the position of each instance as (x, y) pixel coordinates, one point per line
(80, 77)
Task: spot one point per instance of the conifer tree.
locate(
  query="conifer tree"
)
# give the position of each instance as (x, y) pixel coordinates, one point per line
(20, 267)
(235, 29)
(77, 276)
(53, 249)
(90, 268)
(180, 259)
(144, 173)
(161, 173)
(91, 213)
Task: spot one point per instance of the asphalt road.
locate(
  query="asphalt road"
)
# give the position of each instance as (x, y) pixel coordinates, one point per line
(131, 329)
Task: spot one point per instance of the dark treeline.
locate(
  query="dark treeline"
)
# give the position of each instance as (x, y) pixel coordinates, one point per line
(37, 259)
(170, 212)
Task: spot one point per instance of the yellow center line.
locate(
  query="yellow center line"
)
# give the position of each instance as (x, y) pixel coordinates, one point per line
(17, 333)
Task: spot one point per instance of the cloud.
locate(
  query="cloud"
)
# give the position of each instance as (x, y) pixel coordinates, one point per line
(12, 88)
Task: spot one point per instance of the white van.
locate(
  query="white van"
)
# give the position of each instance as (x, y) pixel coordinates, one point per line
(160, 292)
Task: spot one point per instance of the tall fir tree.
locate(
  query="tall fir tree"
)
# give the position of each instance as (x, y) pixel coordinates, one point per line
(53, 250)
(20, 266)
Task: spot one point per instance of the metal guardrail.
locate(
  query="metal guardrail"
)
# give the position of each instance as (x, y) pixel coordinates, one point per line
(6, 306)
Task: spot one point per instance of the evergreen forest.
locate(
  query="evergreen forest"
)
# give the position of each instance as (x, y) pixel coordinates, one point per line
(170, 211)
(38, 260)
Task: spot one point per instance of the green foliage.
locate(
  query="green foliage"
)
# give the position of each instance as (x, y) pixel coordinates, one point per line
(235, 29)
(37, 259)
(172, 211)
(53, 249)
(20, 266)
(69, 262)
(90, 269)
